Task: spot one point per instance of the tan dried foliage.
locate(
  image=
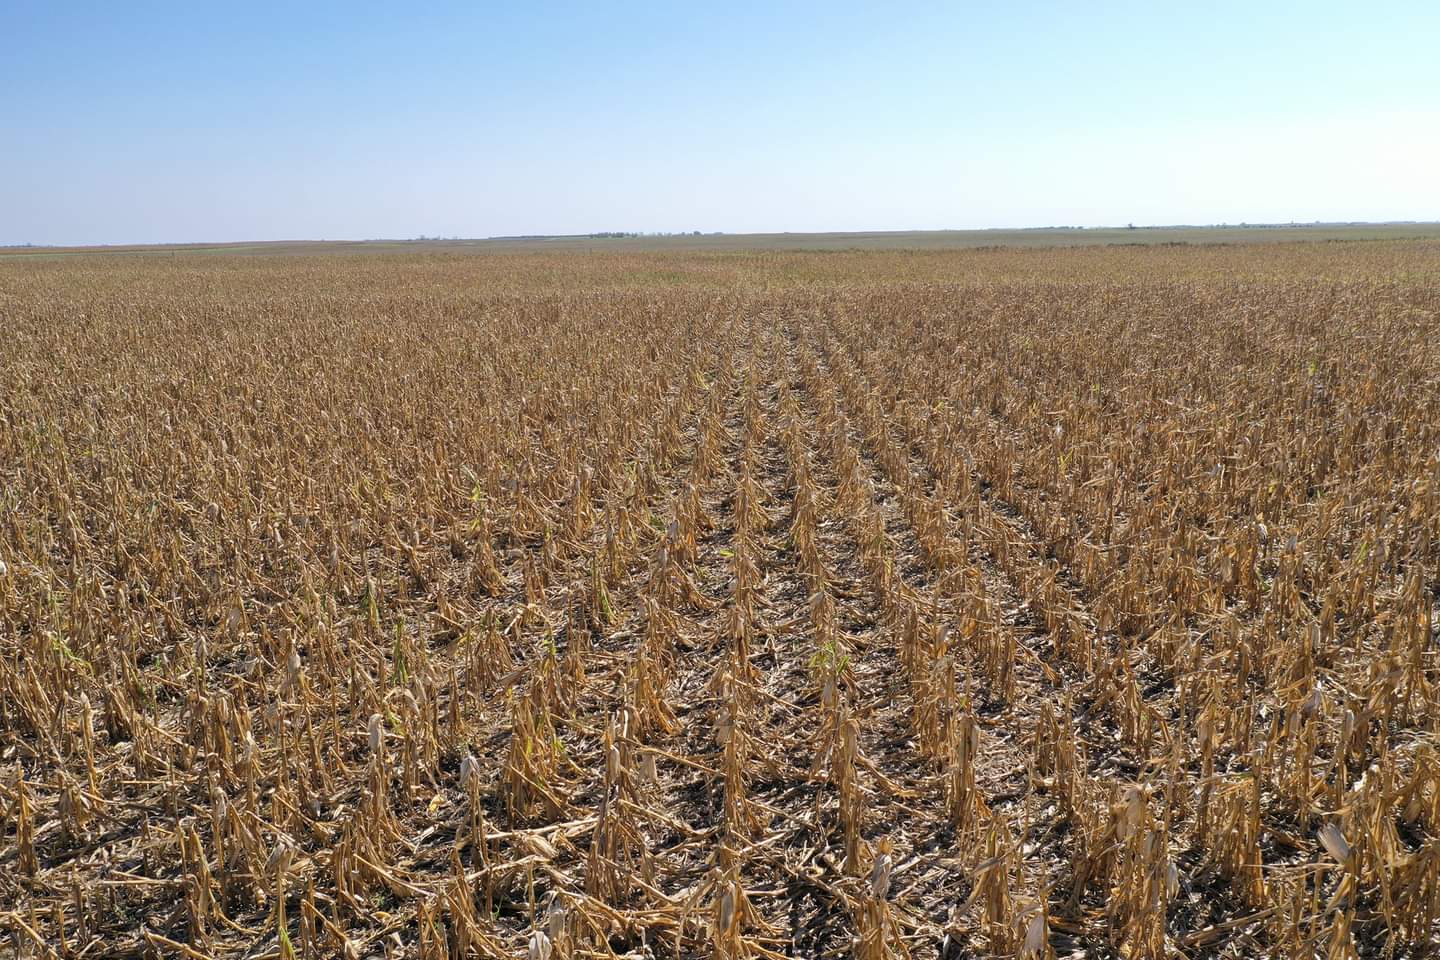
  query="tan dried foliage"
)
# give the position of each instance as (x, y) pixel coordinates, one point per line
(1031, 603)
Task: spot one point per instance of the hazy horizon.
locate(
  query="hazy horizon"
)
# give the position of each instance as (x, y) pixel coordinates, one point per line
(1178, 228)
(169, 124)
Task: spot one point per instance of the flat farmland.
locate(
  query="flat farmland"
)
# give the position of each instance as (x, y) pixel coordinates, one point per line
(871, 240)
(740, 603)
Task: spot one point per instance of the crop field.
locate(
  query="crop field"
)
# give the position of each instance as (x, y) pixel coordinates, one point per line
(1036, 603)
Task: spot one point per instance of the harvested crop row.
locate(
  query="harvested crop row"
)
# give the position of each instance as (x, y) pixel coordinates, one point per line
(994, 603)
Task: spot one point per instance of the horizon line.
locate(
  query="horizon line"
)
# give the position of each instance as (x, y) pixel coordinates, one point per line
(601, 235)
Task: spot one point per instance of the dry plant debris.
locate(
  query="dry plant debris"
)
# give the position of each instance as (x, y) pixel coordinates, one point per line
(983, 604)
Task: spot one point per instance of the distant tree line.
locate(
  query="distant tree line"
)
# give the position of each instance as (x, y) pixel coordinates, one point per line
(623, 234)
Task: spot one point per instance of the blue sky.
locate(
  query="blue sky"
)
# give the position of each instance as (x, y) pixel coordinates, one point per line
(149, 122)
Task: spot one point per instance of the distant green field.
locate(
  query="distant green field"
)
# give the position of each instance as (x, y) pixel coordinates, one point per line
(873, 240)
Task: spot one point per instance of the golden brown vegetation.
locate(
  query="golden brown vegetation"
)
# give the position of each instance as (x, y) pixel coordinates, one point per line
(995, 603)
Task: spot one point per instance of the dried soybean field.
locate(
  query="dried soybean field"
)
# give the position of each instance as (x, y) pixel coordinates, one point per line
(989, 603)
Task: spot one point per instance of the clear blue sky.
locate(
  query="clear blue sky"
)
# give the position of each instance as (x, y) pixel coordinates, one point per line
(141, 122)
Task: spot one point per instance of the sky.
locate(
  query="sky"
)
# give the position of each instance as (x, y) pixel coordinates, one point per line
(146, 122)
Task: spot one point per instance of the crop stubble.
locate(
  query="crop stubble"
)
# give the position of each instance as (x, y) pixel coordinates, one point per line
(1001, 603)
